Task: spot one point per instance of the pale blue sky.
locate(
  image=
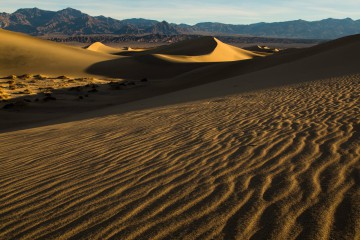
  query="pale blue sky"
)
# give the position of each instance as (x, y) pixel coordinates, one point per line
(187, 11)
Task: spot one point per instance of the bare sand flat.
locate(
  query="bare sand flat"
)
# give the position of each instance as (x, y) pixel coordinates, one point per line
(267, 153)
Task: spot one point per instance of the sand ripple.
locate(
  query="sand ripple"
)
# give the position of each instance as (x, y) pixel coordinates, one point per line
(274, 164)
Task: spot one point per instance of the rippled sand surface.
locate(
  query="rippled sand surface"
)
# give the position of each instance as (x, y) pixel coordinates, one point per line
(281, 163)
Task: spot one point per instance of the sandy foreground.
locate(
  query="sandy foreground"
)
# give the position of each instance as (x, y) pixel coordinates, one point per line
(267, 154)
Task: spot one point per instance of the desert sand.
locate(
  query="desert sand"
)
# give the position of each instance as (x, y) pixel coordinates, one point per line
(263, 148)
(99, 47)
(206, 49)
(21, 54)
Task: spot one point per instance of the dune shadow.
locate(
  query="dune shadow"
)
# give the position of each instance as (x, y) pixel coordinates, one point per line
(141, 66)
(129, 53)
(195, 47)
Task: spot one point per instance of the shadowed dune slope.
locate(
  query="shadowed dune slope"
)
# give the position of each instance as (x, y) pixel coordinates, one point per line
(336, 57)
(21, 54)
(238, 163)
(194, 47)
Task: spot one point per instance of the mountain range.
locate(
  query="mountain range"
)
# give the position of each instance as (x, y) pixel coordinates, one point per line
(71, 22)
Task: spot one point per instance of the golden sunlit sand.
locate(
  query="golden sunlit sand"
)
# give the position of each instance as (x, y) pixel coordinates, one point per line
(222, 144)
(99, 47)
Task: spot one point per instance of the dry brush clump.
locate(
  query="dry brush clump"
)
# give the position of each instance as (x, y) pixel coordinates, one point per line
(12, 77)
(83, 79)
(122, 85)
(3, 95)
(21, 85)
(25, 76)
(16, 104)
(63, 77)
(27, 91)
(49, 97)
(46, 90)
(12, 84)
(40, 77)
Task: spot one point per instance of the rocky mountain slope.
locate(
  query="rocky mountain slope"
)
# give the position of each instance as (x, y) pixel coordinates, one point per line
(70, 21)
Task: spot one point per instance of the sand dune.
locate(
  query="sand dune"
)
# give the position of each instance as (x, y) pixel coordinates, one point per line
(170, 61)
(221, 53)
(204, 49)
(334, 58)
(267, 154)
(100, 47)
(22, 54)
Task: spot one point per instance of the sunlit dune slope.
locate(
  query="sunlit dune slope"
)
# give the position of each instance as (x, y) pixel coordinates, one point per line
(100, 47)
(22, 54)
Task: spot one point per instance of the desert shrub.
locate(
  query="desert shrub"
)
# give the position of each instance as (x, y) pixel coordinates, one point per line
(13, 77)
(49, 98)
(21, 85)
(27, 91)
(62, 77)
(25, 76)
(122, 85)
(93, 90)
(15, 105)
(12, 86)
(46, 90)
(77, 89)
(84, 79)
(116, 85)
(93, 86)
(3, 95)
(40, 77)
(8, 106)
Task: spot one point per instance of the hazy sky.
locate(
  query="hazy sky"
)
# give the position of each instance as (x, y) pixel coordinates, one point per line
(186, 11)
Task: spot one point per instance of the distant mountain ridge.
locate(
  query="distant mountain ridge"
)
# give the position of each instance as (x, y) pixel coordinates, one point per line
(70, 21)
